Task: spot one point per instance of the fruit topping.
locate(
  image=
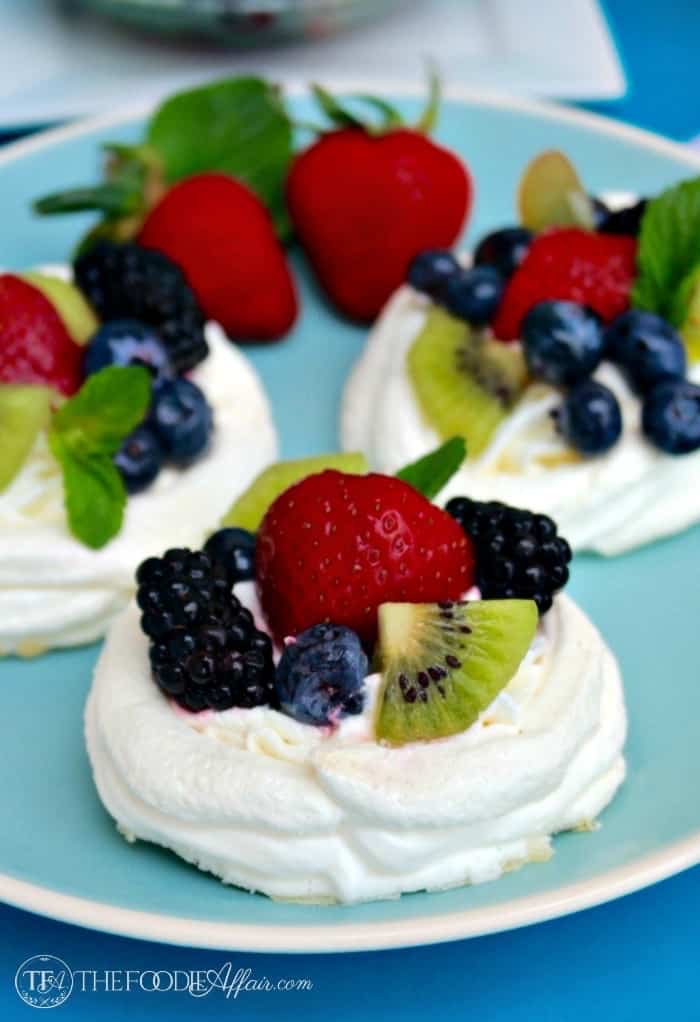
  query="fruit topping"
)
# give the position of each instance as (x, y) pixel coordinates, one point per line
(686, 313)
(591, 269)
(518, 553)
(221, 235)
(589, 418)
(233, 552)
(249, 509)
(627, 220)
(238, 126)
(35, 346)
(600, 211)
(24, 412)
(550, 194)
(465, 383)
(69, 302)
(474, 294)
(126, 342)
(365, 202)
(130, 282)
(671, 416)
(139, 459)
(430, 270)
(181, 418)
(646, 348)
(333, 547)
(444, 663)
(562, 341)
(504, 249)
(205, 650)
(320, 677)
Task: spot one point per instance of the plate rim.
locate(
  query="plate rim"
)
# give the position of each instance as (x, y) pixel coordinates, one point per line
(318, 938)
(365, 936)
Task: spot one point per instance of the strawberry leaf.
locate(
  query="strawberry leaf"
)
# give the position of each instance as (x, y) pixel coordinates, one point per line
(428, 118)
(238, 126)
(429, 474)
(121, 196)
(341, 116)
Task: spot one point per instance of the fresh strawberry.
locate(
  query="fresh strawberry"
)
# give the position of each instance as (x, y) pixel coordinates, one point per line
(365, 203)
(222, 237)
(569, 263)
(333, 547)
(35, 346)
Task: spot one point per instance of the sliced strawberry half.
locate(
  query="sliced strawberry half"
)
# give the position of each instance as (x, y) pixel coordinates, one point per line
(35, 346)
(580, 266)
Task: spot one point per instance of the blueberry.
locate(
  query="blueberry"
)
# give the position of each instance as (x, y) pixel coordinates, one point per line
(590, 418)
(320, 676)
(181, 418)
(646, 347)
(430, 270)
(624, 221)
(562, 341)
(671, 416)
(234, 551)
(600, 211)
(474, 295)
(139, 459)
(126, 342)
(504, 249)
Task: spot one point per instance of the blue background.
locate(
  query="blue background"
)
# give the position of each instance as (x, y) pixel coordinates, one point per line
(633, 959)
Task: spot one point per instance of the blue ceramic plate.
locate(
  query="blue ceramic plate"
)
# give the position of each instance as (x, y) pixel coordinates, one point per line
(60, 854)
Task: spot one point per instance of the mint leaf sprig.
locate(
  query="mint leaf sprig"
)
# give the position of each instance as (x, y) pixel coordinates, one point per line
(669, 249)
(429, 474)
(85, 434)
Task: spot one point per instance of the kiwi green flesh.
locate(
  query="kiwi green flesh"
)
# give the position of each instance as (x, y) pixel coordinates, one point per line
(24, 411)
(249, 509)
(69, 302)
(443, 664)
(465, 383)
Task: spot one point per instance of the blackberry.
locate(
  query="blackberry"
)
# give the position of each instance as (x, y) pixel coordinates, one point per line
(518, 553)
(205, 650)
(130, 282)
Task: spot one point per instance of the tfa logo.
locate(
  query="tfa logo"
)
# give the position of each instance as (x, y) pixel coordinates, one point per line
(44, 981)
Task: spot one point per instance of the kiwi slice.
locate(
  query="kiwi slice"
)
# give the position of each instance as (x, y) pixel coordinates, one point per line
(685, 311)
(24, 410)
(465, 382)
(249, 510)
(69, 302)
(444, 663)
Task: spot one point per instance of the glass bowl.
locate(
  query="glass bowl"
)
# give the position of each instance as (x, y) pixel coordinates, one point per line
(243, 23)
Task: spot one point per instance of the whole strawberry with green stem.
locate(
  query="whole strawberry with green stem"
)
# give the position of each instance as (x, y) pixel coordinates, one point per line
(205, 187)
(364, 200)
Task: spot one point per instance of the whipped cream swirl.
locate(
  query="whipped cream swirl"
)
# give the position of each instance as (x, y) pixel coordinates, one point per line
(610, 503)
(314, 814)
(56, 592)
